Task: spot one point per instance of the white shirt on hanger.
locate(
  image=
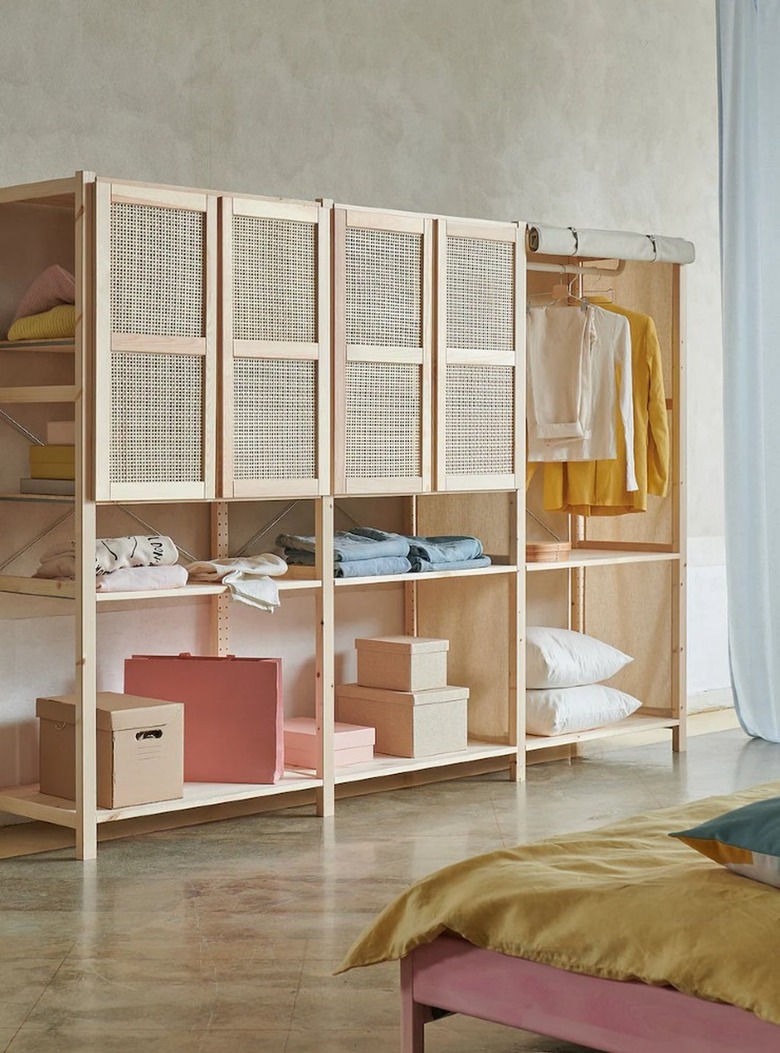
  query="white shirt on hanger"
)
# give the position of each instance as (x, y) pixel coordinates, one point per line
(608, 348)
(558, 343)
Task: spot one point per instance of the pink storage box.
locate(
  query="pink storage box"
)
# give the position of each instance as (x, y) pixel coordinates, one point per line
(233, 717)
(354, 744)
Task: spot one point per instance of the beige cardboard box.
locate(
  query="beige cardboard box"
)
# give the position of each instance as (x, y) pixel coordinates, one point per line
(61, 432)
(408, 723)
(140, 749)
(402, 663)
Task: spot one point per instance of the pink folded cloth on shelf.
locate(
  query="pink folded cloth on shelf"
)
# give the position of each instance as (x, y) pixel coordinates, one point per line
(52, 287)
(140, 579)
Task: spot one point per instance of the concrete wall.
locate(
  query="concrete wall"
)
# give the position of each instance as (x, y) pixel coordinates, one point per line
(600, 114)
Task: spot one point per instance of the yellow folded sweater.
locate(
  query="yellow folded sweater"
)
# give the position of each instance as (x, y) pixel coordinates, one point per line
(55, 324)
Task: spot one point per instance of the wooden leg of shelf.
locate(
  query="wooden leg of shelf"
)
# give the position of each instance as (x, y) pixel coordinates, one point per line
(86, 840)
(517, 768)
(326, 801)
(679, 739)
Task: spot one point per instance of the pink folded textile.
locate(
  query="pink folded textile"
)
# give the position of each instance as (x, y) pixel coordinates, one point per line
(139, 579)
(52, 287)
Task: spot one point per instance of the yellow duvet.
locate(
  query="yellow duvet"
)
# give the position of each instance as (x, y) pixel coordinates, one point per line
(626, 902)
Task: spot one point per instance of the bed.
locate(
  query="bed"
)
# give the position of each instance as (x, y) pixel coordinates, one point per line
(622, 939)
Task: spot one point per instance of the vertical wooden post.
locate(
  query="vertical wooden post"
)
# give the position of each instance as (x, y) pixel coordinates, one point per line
(411, 602)
(516, 630)
(517, 618)
(85, 512)
(325, 657)
(220, 546)
(679, 514)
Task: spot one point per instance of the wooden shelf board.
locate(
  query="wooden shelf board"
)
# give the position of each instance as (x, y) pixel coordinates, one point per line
(634, 723)
(602, 557)
(188, 592)
(384, 765)
(57, 499)
(56, 588)
(203, 794)
(44, 394)
(379, 579)
(57, 346)
(29, 802)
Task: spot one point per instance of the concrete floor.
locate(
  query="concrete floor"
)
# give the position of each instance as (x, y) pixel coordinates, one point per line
(223, 938)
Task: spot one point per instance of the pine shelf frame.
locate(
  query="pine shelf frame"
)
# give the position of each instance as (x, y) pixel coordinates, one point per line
(334, 350)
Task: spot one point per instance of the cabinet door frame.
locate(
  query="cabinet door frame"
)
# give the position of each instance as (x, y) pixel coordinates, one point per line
(345, 218)
(317, 351)
(508, 233)
(109, 342)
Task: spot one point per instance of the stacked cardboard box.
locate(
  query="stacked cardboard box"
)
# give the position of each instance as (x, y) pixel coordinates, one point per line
(402, 691)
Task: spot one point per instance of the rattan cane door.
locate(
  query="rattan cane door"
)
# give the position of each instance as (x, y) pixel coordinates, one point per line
(480, 333)
(383, 352)
(276, 348)
(156, 263)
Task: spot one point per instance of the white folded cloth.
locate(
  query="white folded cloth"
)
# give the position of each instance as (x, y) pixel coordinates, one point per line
(247, 577)
(142, 579)
(112, 553)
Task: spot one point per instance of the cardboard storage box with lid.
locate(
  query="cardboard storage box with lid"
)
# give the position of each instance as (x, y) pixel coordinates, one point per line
(402, 663)
(408, 723)
(140, 749)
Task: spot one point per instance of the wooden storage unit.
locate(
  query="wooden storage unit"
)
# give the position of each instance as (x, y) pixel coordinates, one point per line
(276, 348)
(480, 336)
(407, 395)
(383, 351)
(155, 342)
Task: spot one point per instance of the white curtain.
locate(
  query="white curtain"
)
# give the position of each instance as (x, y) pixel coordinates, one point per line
(749, 67)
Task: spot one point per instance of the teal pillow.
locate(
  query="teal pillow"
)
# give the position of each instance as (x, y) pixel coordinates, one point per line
(746, 841)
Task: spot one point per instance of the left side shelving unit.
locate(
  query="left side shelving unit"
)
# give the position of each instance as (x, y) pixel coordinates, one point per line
(139, 450)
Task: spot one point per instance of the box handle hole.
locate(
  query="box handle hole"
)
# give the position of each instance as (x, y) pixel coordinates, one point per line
(156, 734)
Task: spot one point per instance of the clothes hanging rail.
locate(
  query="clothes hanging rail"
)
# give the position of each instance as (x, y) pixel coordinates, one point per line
(576, 268)
(608, 244)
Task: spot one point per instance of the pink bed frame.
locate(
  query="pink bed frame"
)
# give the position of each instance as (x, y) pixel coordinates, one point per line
(616, 1016)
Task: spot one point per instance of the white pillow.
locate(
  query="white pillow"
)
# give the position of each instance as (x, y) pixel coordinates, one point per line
(562, 658)
(559, 711)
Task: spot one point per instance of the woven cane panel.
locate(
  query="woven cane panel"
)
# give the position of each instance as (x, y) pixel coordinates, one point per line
(156, 418)
(274, 279)
(156, 270)
(480, 294)
(384, 288)
(275, 419)
(383, 420)
(480, 420)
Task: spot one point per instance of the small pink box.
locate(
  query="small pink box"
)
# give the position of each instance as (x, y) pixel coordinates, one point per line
(233, 717)
(354, 744)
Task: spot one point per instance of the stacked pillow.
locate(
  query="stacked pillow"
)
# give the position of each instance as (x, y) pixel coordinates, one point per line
(563, 693)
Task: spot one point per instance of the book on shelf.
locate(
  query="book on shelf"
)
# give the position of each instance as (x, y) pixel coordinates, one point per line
(65, 487)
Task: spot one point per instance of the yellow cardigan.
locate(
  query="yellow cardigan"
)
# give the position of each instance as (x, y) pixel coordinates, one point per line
(589, 488)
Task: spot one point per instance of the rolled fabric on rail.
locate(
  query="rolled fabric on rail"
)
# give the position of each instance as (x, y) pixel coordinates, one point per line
(615, 245)
(673, 250)
(553, 241)
(608, 244)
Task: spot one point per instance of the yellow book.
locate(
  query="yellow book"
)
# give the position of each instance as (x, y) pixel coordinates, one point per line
(52, 455)
(52, 470)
